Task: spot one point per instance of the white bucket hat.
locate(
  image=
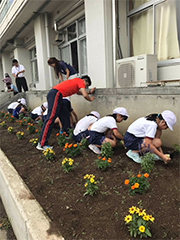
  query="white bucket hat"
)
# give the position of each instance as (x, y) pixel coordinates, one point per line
(96, 114)
(121, 110)
(170, 118)
(23, 101)
(45, 104)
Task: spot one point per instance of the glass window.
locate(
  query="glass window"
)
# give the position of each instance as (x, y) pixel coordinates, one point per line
(83, 56)
(65, 54)
(81, 27)
(34, 67)
(154, 29)
(72, 32)
(136, 3)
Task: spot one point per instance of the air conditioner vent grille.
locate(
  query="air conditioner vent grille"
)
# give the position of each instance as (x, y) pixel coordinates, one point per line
(125, 74)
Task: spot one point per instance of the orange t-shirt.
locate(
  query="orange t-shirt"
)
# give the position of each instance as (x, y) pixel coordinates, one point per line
(70, 87)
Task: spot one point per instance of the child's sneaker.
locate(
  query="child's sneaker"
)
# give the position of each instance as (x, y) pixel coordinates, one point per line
(44, 148)
(134, 156)
(94, 148)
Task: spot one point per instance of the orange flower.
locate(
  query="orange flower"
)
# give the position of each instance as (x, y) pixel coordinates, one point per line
(70, 145)
(57, 134)
(99, 157)
(64, 149)
(64, 133)
(136, 185)
(29, 124)
(126, 182)
(133, 187)
(28, 129)
(80, 143)
(104, 159)
(139, 175)
(75, 145)
(37, 130)
(109, 160)
(146, 175)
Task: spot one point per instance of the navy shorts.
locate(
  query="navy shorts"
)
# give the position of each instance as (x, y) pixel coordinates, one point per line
(96, 138)
(132, 142)
(80, 136)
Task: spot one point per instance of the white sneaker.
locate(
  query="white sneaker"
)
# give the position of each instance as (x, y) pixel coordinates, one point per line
(44, 148)
(94, 148)
(134, 156)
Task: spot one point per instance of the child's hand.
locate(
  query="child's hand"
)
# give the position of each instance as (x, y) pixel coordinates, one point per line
(166, 158)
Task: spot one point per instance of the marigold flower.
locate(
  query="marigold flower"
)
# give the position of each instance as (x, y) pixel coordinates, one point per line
(99, 157)
(142, 228)
(126, 182)
(57, 134)
(86, 184)
(37, 130)
(64, 149)
(151, 218)
(132, 210)
(70, 145)
(136, 185)
(104, 159)
(128, 218)
(146, 217)
(75, 145)
(146, 175)
(133, 187)
(139, 175)
(92, 180)
(141, 211)
(109, 160)
(29, 123)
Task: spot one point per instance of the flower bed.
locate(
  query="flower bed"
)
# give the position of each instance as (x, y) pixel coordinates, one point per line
(102, 215)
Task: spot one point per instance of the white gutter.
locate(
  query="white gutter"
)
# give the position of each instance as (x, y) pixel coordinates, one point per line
(114, 37)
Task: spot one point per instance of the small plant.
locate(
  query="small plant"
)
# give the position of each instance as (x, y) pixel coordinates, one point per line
(10, 129)
(7, 115)
(138, 184)
(38, 132)
(91, 185)
(27, 119)
(139, 222)
(31, 128)
(67, 164)
(62, 139)
(103, 162)
(73, 150)
(177, 148)
(21, 122)
(21, 115)
(148, 162)
(2, 113)
(40, 123)
(49, 154)
(20, 135)
(84, 143)
(3, 124)
(107, 150)
(34, 141)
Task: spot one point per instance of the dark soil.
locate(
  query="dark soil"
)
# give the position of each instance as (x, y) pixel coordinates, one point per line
(101, 216)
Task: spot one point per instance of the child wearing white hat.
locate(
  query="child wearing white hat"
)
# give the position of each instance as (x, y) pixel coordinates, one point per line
(38, 112)
(145, 133)
(97, 133)
(83, 124)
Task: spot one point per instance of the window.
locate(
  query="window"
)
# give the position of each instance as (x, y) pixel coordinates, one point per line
(73, 49)
(153, 28)
(34, 67)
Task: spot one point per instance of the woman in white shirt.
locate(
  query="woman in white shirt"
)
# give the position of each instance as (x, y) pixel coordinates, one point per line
(145, 133)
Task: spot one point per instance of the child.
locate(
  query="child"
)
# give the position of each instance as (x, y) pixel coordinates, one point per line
(98, 130)
(83, 124)
(11, 88)
(55, 106)
(37, 113)
(12, 106)
(7, 78)
(21, 108)
(145, 134)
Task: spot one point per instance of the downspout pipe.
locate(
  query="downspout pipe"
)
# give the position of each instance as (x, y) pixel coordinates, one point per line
(48, 46)
(114, 37)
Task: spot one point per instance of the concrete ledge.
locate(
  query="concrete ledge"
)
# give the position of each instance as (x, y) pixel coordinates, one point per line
(27, 217)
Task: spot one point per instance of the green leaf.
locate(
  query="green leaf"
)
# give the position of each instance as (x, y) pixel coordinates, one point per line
(148, 232)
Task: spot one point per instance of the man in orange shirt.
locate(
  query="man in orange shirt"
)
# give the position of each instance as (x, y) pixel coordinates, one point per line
(55, 106)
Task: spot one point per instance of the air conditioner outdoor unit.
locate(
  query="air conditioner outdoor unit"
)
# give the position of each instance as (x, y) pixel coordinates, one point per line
(136, 71)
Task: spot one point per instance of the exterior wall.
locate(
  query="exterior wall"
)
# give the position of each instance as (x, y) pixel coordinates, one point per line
(138, 102)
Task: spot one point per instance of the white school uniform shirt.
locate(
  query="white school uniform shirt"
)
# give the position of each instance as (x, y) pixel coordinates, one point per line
(20, 68)
(83, 124)
(13, 105)
(104, 124)
(143, 128)
(38, 111)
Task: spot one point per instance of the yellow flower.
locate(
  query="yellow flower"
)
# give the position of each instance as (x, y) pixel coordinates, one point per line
(86, 184)
(151, 218)
(128, 218)
(141, 211)
(146, 217)
(142, 229)
(92, 180)
(70, 163)
(132, 210)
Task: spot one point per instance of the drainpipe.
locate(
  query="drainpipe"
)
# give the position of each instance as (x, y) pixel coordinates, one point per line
(114, 37)
(48, 46)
